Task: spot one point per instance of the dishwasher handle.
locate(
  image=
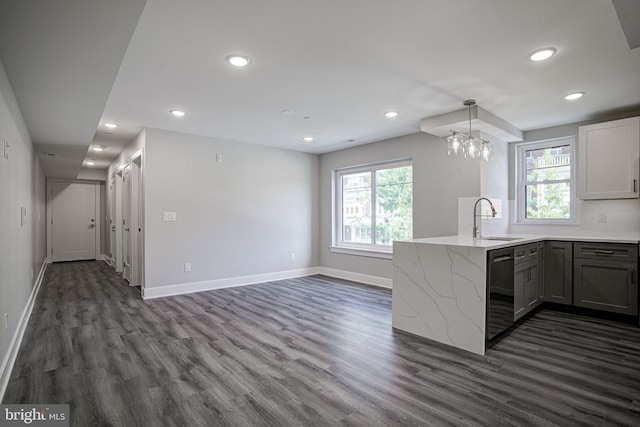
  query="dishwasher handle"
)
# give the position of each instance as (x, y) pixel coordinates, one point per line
(503, 258)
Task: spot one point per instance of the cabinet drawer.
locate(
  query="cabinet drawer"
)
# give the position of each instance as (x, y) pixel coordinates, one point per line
(525, 253)
(612, 251)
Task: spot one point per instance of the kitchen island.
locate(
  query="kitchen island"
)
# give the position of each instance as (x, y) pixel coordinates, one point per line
(440, 285)
(439, 289)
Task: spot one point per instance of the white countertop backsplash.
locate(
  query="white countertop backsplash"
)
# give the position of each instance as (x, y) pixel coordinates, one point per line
(622, 223)
(470, 242)
(622, 217)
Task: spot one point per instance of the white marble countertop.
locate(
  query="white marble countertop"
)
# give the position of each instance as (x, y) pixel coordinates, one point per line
(483, 242)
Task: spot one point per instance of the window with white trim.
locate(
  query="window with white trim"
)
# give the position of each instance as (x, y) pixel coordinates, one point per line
(546, 181)
(373, 206)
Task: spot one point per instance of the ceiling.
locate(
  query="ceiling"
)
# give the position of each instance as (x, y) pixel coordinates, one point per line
(335, 65)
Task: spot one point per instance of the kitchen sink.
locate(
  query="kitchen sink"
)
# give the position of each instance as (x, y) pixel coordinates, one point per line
(502, 239)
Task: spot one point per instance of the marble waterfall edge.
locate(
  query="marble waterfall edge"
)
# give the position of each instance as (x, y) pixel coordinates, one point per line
(439, 292)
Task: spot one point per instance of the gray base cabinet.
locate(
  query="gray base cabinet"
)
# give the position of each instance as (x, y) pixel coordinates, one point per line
(558, 272)
(526, 289)
(605, 277)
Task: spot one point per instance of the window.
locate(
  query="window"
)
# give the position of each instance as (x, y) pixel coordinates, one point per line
(374, 205)
(546, 181)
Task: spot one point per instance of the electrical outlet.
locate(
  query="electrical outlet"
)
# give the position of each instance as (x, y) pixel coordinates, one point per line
(187, 267)
(602, 217)
(5, 146)
(169, 216)
(292, 256)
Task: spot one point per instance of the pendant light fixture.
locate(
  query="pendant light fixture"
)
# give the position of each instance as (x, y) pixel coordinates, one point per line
(466, 144)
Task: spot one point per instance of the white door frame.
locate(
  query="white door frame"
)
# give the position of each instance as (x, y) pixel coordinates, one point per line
(98, 221)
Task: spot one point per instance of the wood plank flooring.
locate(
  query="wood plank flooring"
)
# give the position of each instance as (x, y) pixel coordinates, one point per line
(313, 351)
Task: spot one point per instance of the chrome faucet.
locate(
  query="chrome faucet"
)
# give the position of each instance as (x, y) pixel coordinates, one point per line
(475, 216)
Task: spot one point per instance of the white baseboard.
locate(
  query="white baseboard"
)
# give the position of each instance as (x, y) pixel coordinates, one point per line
(382, 282)
(14, 347)
(187, 288)
(209, 285)
(101, 257)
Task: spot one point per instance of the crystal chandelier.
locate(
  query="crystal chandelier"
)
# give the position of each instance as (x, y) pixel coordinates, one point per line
(466, 144)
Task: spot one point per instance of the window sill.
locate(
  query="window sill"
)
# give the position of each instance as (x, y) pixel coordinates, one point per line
(547, 222)
(371, 253)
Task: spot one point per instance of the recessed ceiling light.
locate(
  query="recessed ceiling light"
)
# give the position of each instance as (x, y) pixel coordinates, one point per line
(90, 163)
(308, 138)
(178, 113)
(574, 96)
(542, 54)
(110, 125)
(287, 112)
(391, 114)
(238, 60)
(99, 147)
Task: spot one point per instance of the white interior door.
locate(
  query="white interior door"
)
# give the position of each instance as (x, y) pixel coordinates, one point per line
(73, 221)
(137, 222)
(112, 218)
(118, 222)
(126, 223)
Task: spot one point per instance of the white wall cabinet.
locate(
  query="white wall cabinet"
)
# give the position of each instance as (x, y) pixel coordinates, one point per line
(608, 160)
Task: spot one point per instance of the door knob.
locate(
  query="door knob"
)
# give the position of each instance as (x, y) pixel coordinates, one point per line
(91, 225)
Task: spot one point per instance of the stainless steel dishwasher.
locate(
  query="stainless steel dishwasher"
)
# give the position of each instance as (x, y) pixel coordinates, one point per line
(500, 295)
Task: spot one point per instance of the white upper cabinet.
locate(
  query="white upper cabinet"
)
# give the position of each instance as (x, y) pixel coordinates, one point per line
(608, 160)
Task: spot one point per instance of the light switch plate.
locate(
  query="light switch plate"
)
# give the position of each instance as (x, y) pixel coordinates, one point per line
(5, 148)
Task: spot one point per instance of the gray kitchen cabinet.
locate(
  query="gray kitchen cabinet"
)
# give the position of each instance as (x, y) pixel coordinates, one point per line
(605, 277)
(531, 296)
(558, 272)
(608, 159)
(518, 291)
(525, 285)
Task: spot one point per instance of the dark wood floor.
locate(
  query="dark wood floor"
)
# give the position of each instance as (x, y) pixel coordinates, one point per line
(313, 351)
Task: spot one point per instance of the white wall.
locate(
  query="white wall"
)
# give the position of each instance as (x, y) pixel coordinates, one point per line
(92, 174)
(494, 172)
(22, 247)
(135, 146)
(623, 216)
(242, 216)
(438, 182)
